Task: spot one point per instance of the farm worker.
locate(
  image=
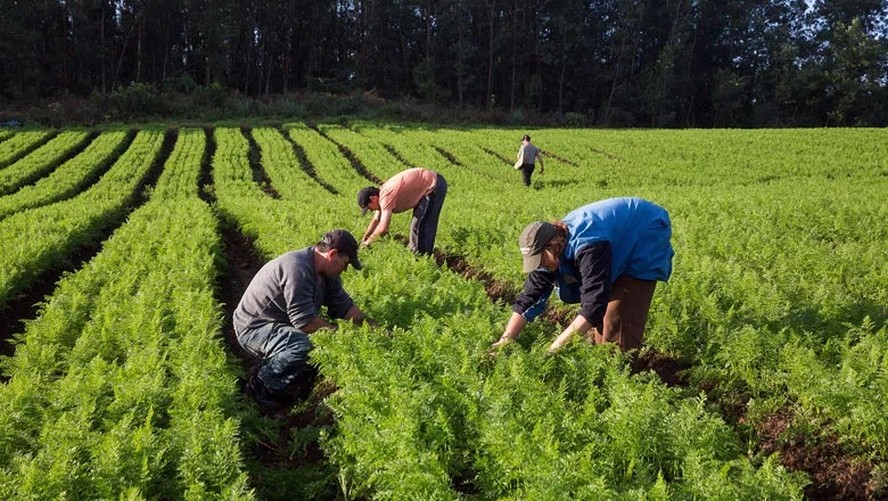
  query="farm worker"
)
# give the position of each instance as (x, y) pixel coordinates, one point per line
(419, 189)
(281, 307)
(528, 154)
(607, 256)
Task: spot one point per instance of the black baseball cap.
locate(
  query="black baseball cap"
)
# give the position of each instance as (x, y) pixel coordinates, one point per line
(344, 242)
(364, 197)
(532, 241)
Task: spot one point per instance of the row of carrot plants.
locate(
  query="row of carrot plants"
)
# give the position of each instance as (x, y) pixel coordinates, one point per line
(40, 239)
(66, 179)
(40, 161)
(779, 283)
(21, 143)
(423, 412)
(121, 388)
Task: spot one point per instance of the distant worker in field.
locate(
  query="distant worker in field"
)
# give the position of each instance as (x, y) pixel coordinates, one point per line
(419, 189)
(528, 154)
(607, 256)
(281, 308)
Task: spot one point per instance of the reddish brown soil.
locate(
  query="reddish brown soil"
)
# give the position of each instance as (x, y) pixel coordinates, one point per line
(497, 290)
(834, 473)
(670, 368)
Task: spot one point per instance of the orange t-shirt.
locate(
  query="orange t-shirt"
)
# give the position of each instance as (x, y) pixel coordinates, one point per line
(404, 190)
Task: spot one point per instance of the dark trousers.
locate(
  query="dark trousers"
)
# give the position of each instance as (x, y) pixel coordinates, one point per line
(283, 351)
(526, 172)
(627, 313)
(424, 225)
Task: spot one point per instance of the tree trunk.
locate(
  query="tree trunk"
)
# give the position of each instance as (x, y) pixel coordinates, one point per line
(141, 34)
(104, 48)
(362, 57)
(459, 60)
(514, 57)
(489, 98)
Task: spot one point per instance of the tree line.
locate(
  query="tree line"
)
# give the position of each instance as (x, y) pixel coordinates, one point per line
(642, 63)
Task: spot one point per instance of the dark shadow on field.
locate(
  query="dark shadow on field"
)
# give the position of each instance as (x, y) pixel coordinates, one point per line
(306, 164)
(835, 326)
(549, 153)
(259, 175)
(395, 153)
(541, 184)
(353, 160)
(496, 155)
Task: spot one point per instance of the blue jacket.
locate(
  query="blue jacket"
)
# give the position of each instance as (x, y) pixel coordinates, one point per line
(629, 236)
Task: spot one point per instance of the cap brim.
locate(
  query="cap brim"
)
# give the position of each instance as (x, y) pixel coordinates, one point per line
(364, 210)
(532, 262)
(355, 263)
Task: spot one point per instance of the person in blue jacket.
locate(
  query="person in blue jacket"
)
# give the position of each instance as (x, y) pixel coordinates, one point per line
(607, 256)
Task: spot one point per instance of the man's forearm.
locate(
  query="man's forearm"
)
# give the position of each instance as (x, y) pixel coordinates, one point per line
(513, 328)
(580, 324)
(357, 317)
(315, 324)
(370, 229)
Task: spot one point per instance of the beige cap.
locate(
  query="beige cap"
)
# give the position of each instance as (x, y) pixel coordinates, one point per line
(531, 242)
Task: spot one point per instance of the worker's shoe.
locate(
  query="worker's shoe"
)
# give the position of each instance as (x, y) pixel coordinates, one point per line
(269, 401)
(302, 386)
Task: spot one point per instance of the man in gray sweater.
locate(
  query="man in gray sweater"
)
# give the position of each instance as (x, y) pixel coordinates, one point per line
(281, 307)
(528, 154)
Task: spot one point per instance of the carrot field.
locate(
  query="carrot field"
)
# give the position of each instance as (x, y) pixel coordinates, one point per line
(123, 253)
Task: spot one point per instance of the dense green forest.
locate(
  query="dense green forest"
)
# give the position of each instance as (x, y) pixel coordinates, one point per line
(640, 63)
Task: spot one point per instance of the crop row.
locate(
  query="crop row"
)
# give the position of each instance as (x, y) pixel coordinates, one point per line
(121, 387)
(67, 178)
(40, 161)
(36, 240)
(19, 144)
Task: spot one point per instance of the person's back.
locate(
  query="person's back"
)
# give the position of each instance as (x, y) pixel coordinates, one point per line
(281, 308)
(528, 154)
(624, 223)
(419, 189)
(404, 190)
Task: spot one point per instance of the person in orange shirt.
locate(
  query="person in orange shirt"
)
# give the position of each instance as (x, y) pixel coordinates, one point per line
(421, 190)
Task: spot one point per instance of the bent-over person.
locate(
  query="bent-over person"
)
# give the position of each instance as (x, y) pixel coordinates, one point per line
(607, 256)
(420, 190)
